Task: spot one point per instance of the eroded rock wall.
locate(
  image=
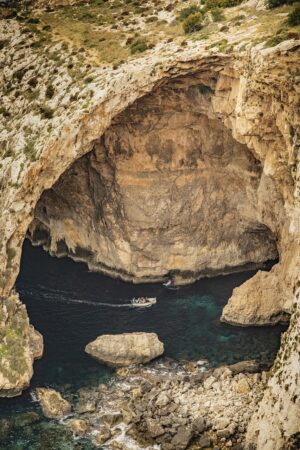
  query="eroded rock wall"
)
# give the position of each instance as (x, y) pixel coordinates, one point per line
(166, 190)
(256, 97)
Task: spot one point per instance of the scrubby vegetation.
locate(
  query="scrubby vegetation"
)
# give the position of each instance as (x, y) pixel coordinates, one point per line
(211, 4)
(186, 12)
(294, 16)
(276, 3)
(138, 46)
(217, 14)
(193, 23)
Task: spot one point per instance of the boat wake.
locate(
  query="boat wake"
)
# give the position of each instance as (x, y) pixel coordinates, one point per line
(59, 297)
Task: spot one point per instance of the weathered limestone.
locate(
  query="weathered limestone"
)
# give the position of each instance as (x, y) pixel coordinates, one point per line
(166, 191)
(54, 406)
(20, 344)
(278, 415)
(167, 405)
(125, 349)
(253, 302)
(255, 97)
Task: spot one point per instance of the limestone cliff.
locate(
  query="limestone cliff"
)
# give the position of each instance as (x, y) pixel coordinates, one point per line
(166, 191)
(185, 161)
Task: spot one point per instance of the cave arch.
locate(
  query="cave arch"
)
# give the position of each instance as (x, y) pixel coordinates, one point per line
(256, 98)
(165, 191)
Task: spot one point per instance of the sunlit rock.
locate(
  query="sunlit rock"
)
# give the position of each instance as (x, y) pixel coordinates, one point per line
(54, 406)
(125, 349)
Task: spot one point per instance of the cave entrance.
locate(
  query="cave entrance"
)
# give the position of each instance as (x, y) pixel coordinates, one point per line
(166, 191)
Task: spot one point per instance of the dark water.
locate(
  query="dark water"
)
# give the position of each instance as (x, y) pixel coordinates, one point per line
(71, 306)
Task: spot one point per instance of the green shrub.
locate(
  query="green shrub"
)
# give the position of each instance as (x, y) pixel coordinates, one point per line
(193, 23)
(217, 14)
(8, 153)
(29, 150)
(46, 112)
(138, 46)
(186, 12)
(212, 4)
(276, 3)
(3, 43)
(50, 91)
(275, 40)
(294, 16)
(4, 112)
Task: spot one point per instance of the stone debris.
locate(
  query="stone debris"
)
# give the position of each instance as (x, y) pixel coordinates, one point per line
(167, 405)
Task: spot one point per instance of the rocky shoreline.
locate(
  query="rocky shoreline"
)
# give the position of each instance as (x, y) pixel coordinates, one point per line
(167, 405)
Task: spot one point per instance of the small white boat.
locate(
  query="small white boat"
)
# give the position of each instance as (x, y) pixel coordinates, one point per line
(168, 283)
(143, 302)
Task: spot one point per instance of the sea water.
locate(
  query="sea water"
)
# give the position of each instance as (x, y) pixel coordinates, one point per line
(71, 306)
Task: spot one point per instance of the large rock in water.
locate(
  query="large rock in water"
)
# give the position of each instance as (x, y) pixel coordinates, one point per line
(125, 349)
(54, 406)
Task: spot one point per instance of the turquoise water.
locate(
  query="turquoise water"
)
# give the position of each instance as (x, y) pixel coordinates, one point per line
(71, 306)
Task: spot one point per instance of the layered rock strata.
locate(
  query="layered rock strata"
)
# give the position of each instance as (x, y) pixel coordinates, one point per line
(254, 96)
(166, 191)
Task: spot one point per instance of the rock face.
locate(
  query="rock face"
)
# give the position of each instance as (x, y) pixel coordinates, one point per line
(54, 406)
(249, 99)
(253, 302)
(20, 344)
(171, 168)
(125, 349)
(278, 415)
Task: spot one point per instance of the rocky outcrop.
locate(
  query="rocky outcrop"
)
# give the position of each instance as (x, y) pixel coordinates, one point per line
(125, 349)
(253, 302)
(250, 99)
(20, 344)
(169, 406)
(54, 406)
(278, 417)
(171, 168)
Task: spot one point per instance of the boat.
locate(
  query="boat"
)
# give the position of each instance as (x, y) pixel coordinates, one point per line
(168, 283)
(143, 302)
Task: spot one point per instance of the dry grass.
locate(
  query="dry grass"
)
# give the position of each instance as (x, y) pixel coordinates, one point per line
(102, 30)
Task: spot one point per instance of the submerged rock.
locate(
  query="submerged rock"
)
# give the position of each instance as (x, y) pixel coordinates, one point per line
(102, 435)
(26, 418)
(54, 406)
(125, 349)
(5, 428)
(78, 426)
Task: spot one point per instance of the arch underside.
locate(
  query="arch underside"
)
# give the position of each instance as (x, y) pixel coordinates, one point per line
(165, 191)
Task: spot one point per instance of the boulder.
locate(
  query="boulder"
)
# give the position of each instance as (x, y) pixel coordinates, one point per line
(182, 438)
(5, 429)
(199, 425)
(154, 428)
(163, 399)
(125, 349)
(78, 426)
(250, 366)
(204, 442)
(102, 435)
(54, 406)
(242, 386)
